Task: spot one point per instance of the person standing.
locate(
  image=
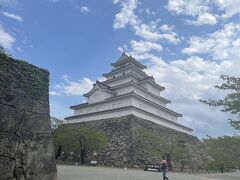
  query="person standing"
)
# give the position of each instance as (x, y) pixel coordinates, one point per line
(164, 168)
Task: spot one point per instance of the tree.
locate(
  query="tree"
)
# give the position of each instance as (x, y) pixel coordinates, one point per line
(55, 123)
(224, 151)
(231, 102)
(158, 146)
(179, 153)
(153, 143)
(78, 140)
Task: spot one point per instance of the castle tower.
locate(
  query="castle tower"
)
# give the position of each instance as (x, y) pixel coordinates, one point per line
(127, 90)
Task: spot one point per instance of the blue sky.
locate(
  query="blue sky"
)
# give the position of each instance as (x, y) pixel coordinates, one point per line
(186, 44)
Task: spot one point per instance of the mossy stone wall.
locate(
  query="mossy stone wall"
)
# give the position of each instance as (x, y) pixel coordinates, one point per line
(26, 148)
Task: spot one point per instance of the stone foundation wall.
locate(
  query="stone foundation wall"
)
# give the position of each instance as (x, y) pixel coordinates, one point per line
(26, 148)
(125, 146)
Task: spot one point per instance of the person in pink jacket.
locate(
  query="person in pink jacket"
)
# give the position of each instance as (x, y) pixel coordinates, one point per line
(164, 168)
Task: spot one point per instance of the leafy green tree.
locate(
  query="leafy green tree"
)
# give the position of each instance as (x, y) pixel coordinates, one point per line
(78, 140)
(158, 146)
(179, 152)
(153, 143)
(224, 151)
(231, 102)
(55, 122)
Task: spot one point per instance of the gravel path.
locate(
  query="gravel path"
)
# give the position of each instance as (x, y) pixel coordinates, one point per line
(104, 173)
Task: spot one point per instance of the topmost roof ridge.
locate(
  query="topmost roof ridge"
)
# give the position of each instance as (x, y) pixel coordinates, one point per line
(123, 56)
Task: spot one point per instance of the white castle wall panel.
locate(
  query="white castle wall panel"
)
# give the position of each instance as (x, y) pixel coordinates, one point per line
(103, 106)
(98, 95)
(121, 81)
(153, 109)
(151, 88)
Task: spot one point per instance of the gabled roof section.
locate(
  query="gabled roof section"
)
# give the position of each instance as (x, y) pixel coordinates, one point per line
(128, 59)
(150, 79)
(144, 89)
(99, 85)
(130, 74)
(123, 68)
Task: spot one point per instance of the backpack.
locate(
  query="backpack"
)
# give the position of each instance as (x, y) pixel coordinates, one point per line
(164, 166)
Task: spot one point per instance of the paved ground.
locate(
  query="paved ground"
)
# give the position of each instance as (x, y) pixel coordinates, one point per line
(102, 173)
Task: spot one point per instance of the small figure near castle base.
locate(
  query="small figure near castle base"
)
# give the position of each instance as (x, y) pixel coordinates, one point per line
(164, 168)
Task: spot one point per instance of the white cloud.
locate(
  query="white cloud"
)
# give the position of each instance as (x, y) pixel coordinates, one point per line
(222, 44)
(126, 14)
(188, 7)
(198, 9)
(202, 10)
(54, 93)
(230, 7)
(148, 31)
(73, 88)
(19, 49)
(13, 16)
(203, 19)
(6, 40)
(145, 46)
(84, 9)
(151, 33)
(166, 28)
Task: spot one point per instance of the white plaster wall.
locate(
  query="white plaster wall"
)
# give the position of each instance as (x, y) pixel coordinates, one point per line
(106, 115)
(120, 113)
(98, 95)
(104, 106)
(138, 73)
(151, 88)
(124, 90)
(149, 97)
(119, 73)
(153, 109)
(121, 81)
(140, 92)
(128, 101)
(160, 121)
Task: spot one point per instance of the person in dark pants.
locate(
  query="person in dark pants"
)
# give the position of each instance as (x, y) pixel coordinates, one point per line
(164, 168)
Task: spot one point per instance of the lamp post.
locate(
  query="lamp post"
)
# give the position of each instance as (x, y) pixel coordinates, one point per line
(82, 141)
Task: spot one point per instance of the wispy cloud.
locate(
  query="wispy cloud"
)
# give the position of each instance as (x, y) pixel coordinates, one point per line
(204, 12)
(72, 88)
(84, 9)
(223, 44)
(54, 93)
(149, 31)
(145, 46)
(13, 16)
(6, 39)
(19, 49)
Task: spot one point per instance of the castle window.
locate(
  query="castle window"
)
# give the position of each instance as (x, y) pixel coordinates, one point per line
(113, 76)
